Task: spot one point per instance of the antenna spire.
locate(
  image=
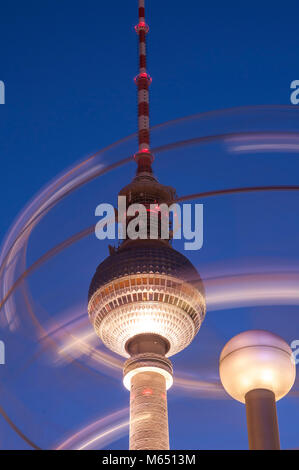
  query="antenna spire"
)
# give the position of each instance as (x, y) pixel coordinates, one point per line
(143, 157)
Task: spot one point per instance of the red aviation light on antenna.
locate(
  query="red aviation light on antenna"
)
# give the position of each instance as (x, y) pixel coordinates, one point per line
(141, 26)
(145, 153)
(143, 76)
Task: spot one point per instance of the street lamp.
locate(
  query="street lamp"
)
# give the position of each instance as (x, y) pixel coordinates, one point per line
(256, 368)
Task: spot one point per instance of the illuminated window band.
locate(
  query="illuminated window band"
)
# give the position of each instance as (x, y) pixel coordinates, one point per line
(147, 303)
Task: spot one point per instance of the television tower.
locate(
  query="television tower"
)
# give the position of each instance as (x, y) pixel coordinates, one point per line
(146, 300)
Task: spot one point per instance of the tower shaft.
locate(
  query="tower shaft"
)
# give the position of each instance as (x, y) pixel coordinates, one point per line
(148, 375)
(148, 412)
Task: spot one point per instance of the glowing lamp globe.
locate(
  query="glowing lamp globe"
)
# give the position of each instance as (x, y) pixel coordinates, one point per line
(256, 359)
(146, 287)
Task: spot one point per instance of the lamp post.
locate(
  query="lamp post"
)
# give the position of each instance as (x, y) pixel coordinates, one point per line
(256, 368)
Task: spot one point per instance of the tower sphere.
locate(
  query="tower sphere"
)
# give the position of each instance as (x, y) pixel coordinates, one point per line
(256, 359)
(146, 287)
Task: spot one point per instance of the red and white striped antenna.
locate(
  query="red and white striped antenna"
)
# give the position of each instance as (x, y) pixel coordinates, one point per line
(143, 157)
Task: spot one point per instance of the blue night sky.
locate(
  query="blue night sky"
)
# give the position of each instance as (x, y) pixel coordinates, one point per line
(68, 69)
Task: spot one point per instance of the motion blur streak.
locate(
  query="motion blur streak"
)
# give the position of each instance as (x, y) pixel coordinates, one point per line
(227, 138)
(49, 254)
(95, 430)
(100, 357)
(76, 342)
(252, 289)
(199, 387)
(18, 431)
(280, 142)
(72, 337)
(112, 432)
(101, 432)
(249, 189)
